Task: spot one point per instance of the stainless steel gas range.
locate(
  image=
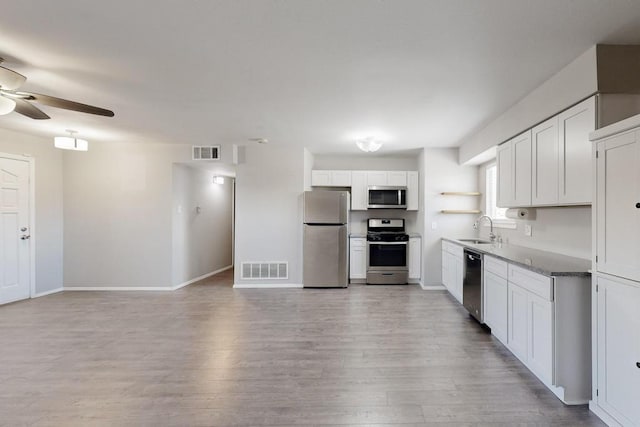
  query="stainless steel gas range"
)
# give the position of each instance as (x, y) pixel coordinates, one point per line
(387, 252)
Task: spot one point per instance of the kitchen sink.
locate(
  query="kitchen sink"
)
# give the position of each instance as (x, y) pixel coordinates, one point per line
(475, 241)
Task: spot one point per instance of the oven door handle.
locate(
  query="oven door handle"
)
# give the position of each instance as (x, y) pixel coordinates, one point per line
(388, 243)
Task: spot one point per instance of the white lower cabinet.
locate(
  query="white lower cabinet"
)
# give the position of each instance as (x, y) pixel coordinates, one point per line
(357, 258)
(453, 268)
(540, 337)
(495, 304)
(415, 259)
(617, 388)
(517, 323)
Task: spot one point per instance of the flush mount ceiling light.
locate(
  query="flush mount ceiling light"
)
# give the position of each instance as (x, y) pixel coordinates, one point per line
(369, 145)
(218, 180)
(70, 142)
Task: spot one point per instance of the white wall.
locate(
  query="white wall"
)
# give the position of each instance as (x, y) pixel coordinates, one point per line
(573, 83)
(48, 201)
(443, 173)
(117, 214)
(201, 240)
(269, 186)
(565, 230)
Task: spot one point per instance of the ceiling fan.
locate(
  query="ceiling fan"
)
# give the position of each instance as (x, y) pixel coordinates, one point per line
(21, 102)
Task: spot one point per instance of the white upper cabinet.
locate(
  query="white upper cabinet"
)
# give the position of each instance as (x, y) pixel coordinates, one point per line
(549, 165)
(545, 164)
(387, 178)
(618, 206)
(377, 178)
(521, 169)
(359, 190)
(504, 185)
(413, 191)
(329, 178)
(575, 125)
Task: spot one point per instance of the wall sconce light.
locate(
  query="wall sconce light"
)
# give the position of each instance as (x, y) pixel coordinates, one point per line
(218, 180)
(70, 142)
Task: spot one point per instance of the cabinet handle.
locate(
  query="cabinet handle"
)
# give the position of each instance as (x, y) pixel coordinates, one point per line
(638, 205)
(638, 365)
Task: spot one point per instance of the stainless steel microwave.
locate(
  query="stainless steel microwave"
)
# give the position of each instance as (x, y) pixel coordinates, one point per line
(383, 197)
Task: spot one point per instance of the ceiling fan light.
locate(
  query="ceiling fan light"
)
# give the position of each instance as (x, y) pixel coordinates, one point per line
(369, 145)
(6, 105)
(70, 143)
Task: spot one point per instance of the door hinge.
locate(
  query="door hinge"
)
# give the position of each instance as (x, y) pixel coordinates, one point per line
(597, 154)
(596, 258)
(597, 392)
(596, 288)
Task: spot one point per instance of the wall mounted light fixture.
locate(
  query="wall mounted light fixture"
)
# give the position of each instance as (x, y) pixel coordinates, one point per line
(70, 142)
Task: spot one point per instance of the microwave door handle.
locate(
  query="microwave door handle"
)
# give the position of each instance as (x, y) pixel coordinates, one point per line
(399, 196)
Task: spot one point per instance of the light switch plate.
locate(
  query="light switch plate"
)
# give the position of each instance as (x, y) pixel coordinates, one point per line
(434, 225)
(527, 230)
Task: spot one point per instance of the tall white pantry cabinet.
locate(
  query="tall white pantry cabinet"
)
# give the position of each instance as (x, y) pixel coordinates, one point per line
(616, 274)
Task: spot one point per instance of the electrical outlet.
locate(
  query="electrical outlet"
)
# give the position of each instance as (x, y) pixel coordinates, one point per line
(434, 225)
(527, 230)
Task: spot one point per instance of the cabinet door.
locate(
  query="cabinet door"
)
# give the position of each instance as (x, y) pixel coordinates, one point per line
(495, 305)
(545, 165)
(575, 125)
(445, 269)
(341, 178)
(320, 178)
(619, 350)
(521, 167)
(458, 277)
(505, 176)
(413, 191)
(540, 334)
(517, 321)
(359, 191)
(618, 206)
(397, 178)
(415, 258)
(377, 178)
(357, 258)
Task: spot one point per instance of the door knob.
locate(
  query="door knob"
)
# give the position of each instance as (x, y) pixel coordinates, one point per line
(25, 237)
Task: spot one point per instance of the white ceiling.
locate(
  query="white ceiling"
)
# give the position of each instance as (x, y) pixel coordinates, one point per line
(312, 72)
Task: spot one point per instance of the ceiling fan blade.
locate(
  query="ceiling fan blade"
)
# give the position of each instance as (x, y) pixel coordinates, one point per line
(11, 80)
(27, 109)
(52, 101)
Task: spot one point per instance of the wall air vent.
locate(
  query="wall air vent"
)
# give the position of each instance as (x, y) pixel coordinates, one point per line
(205, 152)
(265, 270)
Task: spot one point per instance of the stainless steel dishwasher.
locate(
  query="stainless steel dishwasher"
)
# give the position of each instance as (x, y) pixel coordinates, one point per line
(473, 286)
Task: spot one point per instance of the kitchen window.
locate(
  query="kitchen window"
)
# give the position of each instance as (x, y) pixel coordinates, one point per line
(491, 191)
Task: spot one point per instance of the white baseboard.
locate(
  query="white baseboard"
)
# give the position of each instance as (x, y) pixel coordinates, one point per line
(118, 288)
(433, 287)
(45, 293)
(266, 285)
(204, 276)
(600, 413)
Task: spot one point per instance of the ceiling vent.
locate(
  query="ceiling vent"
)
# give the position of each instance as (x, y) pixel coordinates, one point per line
(205, 152)
(265, 270)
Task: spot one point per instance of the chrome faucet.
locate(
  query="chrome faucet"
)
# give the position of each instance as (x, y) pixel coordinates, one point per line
(492, 236)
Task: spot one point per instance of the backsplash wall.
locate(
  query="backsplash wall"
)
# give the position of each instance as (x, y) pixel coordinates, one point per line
(565, 230)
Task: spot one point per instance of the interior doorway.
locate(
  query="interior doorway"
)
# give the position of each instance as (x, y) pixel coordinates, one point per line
(16, 228)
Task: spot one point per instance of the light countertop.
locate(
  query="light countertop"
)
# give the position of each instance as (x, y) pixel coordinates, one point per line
(543, 262)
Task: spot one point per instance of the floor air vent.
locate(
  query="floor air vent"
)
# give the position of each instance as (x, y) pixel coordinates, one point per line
(210, 152)
(265, 270)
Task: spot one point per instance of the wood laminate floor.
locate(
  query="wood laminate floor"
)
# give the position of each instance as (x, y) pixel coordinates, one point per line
(213, 356)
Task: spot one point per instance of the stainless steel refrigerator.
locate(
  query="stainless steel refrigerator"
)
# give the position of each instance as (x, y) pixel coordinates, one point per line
(326, 245)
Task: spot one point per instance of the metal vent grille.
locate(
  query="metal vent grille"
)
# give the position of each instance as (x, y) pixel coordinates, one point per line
(209, 152)
(265, 270)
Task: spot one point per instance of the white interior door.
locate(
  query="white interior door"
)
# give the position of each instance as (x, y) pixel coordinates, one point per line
(15, 277)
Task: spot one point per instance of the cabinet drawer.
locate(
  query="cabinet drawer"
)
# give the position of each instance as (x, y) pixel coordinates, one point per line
(496, 266)
(358, 242)
(533, 282)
